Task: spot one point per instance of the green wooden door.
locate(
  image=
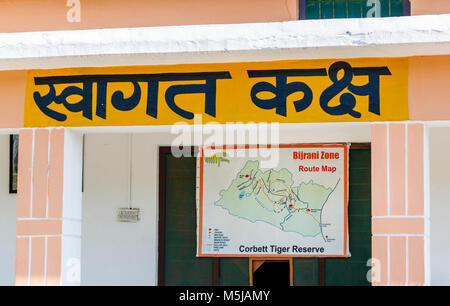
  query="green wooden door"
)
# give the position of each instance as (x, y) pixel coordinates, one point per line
(233, 272)
(182, 267)
(353, 270)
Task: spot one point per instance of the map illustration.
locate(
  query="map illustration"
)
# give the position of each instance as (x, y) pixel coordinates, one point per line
(273, 197)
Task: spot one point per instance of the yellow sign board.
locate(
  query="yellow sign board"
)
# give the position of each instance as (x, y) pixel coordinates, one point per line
(280, 91)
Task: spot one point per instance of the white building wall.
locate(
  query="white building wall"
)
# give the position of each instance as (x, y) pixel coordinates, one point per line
(439, 145)
(7, 218)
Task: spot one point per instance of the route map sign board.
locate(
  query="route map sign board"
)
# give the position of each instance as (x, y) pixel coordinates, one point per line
(295, 209)
(293, 91)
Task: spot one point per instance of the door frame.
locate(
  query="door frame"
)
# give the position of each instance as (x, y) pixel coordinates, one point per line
(163, 150)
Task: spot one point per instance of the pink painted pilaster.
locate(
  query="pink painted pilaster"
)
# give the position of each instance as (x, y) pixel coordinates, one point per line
(398, 220)
(40, 207)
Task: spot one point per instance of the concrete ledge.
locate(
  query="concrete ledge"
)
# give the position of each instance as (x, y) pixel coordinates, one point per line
(310, 39)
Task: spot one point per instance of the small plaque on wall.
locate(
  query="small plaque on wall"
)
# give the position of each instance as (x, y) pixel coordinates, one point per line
(128, 215)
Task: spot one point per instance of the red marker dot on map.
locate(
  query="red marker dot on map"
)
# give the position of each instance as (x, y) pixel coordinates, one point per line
(246, 175)
(308, 210)
(326, 236)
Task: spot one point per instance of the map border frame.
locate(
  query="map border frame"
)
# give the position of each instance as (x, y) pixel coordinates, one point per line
(199, 199)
